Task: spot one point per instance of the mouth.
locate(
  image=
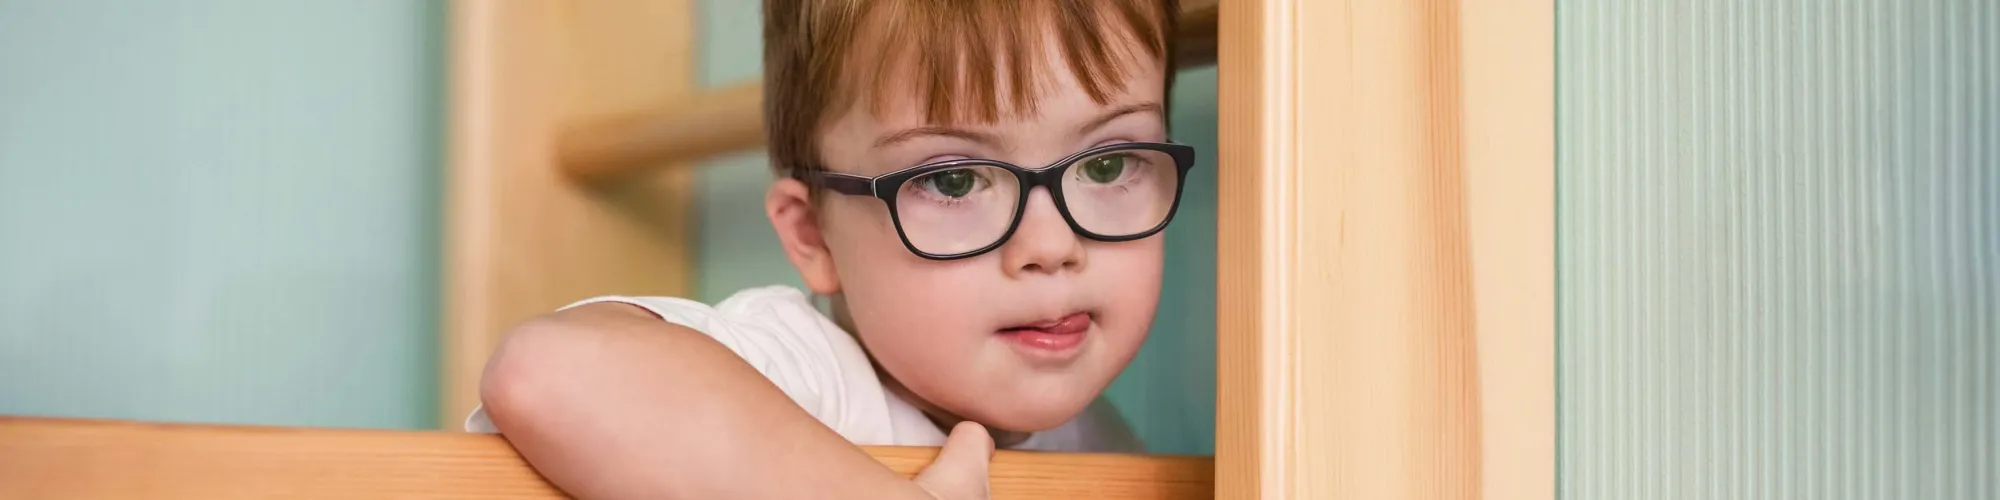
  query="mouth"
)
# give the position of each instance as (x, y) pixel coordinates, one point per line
(1050, 336)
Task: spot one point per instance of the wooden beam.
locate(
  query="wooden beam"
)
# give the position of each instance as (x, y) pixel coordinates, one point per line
(1507, 50)
(1385, 259)
(1195, 40)
(605, 149)
(85, 459)
(520, 239)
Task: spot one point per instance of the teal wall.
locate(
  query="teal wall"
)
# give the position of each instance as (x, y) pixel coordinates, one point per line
(220, 210)
(1168, 393)
(1779, 249)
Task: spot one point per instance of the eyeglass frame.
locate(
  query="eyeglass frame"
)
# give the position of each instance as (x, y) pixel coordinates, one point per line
(1048, 176)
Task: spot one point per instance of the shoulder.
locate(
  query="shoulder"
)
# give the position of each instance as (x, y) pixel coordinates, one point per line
(775, 329)
(778, 309)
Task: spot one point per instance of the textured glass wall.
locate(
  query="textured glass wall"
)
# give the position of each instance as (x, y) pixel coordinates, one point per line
(1779, 249)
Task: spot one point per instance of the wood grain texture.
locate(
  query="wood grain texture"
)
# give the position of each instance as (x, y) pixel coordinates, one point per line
(1357, 283)
(601, 150)
(606, 148)
(1250, 440)
(522, 240)
(1381, 295)
(84, 459)
(71, 459)
(1507, 53)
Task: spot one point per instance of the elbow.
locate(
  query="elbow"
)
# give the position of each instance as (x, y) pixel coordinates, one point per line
(555, 365)
(524, 379)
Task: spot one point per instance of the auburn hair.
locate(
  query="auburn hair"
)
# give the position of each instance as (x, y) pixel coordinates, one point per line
(959, 56)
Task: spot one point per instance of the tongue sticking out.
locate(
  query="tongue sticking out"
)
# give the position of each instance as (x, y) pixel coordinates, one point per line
(1052, 335)
(1072, 324)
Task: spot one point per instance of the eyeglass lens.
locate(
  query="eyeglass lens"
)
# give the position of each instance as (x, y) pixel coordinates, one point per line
(1114, 194)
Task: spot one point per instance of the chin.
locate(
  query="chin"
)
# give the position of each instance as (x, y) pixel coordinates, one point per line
(1033, 419)
(1039, 402)
(1033, 413)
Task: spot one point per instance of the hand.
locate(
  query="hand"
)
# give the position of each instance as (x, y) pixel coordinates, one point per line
(960, 470)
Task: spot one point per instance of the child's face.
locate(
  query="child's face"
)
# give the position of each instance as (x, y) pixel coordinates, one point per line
(951, 331)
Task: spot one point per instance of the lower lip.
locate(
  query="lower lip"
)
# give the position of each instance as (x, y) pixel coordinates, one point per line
(1050, 340)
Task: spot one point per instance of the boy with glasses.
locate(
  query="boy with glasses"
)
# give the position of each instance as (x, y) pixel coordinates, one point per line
(979, 186)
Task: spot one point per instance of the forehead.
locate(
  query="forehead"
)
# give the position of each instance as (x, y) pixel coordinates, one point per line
(896, 130)
(1059, 99)
(951, 62)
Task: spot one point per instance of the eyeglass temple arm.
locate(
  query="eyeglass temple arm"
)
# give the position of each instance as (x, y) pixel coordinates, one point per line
(846, 184)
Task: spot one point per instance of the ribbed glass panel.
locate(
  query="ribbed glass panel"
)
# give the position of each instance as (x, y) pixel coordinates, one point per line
(1779, 248)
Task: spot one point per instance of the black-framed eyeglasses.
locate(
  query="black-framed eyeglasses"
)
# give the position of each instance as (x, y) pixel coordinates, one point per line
(962, 208)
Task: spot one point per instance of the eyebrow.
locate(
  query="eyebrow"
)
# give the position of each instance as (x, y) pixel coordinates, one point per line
(955, 133)
(907, 135)
(1116, 113)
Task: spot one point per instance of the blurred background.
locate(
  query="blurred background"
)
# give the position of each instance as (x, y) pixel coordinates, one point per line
(230, 211)
(221, 210)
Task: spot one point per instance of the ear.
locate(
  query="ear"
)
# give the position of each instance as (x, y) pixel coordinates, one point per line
(790, 207)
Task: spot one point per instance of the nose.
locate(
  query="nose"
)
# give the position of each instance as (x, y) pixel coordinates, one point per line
(1043, 243)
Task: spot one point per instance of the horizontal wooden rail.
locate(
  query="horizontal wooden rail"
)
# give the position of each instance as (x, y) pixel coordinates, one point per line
(606, 148)
(713, 122)
(78, 459)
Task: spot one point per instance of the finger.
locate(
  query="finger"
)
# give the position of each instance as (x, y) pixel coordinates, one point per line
(973, 439)
(960, 468)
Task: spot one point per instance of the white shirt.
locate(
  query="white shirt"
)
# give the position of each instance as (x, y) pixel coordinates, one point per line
(823, 369)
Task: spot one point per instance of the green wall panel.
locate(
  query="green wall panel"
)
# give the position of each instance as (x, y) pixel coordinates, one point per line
(220, 211)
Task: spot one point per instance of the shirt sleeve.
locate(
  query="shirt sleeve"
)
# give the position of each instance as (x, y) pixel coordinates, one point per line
(775, 330)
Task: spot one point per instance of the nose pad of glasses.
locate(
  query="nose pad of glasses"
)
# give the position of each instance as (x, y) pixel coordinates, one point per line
(1041, 208)
(1044, 240)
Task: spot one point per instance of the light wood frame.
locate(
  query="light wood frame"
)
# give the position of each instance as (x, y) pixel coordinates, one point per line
(1386, 273)
(84, 459)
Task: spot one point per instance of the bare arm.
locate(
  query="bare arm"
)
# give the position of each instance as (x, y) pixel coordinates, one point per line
(607, 401)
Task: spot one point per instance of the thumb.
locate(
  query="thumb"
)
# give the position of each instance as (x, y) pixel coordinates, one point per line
(960, 469)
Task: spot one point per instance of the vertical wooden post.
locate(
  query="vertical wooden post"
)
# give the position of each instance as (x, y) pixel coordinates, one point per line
(1507, 55)
(1364, 287)
(522, 239)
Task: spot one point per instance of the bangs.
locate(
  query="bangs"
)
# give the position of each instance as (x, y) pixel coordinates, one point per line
(961, 60)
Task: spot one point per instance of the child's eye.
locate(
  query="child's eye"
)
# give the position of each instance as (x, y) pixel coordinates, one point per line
(954, 183)
(1104, 169)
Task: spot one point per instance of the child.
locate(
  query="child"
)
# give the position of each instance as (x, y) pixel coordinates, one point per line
(978, 186)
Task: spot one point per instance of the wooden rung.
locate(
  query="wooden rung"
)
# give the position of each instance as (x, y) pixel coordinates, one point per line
(708, 124)
(82, 459)
(604, 149)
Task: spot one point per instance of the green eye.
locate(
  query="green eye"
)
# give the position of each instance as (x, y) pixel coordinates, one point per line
(1104, 169)
(951, 183)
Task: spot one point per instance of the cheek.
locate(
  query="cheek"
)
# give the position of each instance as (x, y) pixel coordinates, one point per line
(854, 223)
(923, 322)
(1128, 276)
(929, 324)
(906, 303)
